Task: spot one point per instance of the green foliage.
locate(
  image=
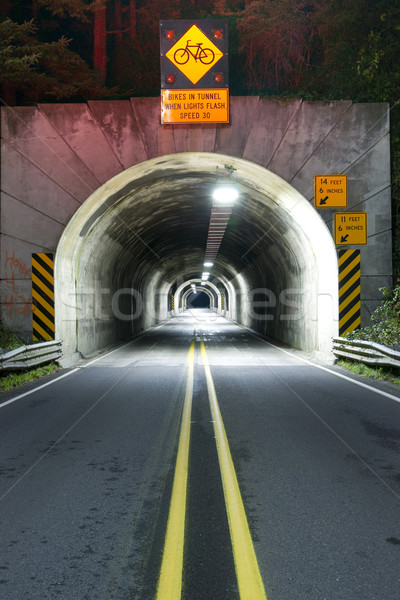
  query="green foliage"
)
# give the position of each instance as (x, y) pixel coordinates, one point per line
(274, 40)
(380, 373)
(64, 74)
(10, 380)
(315, 49)
(19, 51)
(339, 29)
(9, 340)
(135, 65)
(76, 9)
(41, 70)
(385, 321)
(312, 49)
(377, 65)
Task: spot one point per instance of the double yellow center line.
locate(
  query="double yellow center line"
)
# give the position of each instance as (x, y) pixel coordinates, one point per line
(248, 575)
(170, 581)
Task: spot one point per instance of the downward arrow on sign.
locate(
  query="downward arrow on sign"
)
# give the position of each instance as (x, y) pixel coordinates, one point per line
(323, 200)
(344, 238)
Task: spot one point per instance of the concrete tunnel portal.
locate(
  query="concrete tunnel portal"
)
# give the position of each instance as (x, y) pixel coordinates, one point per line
(139, 241)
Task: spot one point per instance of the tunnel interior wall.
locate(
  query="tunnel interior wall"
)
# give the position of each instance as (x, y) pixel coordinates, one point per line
(54, 156)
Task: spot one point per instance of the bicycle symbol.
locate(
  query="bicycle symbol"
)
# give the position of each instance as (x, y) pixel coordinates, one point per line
(205, 55)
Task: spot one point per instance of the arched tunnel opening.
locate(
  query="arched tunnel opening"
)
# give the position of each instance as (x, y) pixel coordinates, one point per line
(140, 240)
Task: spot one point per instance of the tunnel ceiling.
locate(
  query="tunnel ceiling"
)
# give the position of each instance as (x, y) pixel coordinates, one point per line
(160, 221)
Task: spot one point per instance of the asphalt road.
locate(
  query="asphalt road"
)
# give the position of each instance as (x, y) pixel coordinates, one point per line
(88, 465)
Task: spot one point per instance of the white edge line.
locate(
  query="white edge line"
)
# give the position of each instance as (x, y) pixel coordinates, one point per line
(359, 383)
(40, 387)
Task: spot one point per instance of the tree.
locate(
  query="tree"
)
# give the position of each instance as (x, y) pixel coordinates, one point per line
(275, 40)
(135, 55)
(75, 9)
(378, 70)
(385, 321)
(32, 70)
(100, 41)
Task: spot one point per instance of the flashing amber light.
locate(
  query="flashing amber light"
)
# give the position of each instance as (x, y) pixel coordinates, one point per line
(218, 34)
(170, 78)
(218, 77)
(169, 34)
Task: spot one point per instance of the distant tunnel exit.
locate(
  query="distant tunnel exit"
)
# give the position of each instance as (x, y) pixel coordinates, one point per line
(198, 300)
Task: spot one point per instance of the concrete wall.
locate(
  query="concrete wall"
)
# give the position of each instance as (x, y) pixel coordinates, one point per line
(53, 157)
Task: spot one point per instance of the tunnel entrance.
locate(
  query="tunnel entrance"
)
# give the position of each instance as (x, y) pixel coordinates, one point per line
(140, 235)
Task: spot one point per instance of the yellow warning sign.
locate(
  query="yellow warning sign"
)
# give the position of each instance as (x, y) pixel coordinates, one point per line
(194, 106)
(330, 191)
(350, 229)
(194, 54)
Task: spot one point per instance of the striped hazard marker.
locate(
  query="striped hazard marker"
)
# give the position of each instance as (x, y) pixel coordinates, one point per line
(349, 291)
(43, 297)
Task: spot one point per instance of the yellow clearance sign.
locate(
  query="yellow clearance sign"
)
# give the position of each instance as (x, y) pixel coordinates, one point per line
(194, 106)
(330, 191)
(194, 54)
(350, 229)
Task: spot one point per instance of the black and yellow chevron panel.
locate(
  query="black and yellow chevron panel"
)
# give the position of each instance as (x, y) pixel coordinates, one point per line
(43, 297)
(349, 291)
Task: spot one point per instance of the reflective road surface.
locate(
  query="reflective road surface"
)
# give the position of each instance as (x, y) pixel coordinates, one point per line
(200, 462)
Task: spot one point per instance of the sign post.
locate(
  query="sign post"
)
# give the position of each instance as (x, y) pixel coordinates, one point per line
(194, 71)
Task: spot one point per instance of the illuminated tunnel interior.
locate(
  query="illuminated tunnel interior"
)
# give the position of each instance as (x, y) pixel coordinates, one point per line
(130, 256)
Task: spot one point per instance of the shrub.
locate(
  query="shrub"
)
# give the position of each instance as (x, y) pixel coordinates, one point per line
(9, 340)
(385, 321)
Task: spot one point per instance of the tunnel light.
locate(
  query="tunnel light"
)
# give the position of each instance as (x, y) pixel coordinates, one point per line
(203, 283)
(225, 196)
(208, 263)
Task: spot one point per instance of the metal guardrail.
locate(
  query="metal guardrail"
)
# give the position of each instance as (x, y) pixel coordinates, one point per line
(366, 352)
(30, 356)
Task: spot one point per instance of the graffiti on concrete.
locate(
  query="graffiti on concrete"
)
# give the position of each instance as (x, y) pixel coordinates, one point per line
(14, 303)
